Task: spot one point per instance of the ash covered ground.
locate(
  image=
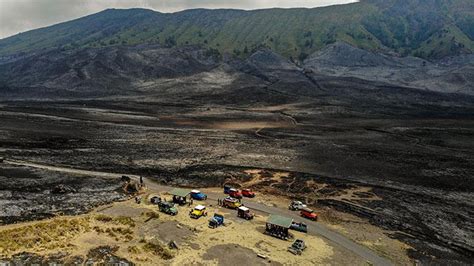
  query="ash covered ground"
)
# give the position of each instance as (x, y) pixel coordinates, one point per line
(207, 123)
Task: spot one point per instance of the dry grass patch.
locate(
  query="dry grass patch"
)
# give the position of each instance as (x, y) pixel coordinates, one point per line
(103, 218)
(119, 228)
(52, 234)
(158, 249)
(133, 250)
(150, 215)
(123, 220)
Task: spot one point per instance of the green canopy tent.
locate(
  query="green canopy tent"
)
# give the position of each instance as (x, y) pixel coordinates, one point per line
(180, 195)
(278, 226)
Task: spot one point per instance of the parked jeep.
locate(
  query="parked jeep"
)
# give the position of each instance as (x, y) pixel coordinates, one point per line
(198, 195)
(248, 193)
(168, 208)
(231, 203)
(245, 213)
(235, 193)
(300, 227)
(309, 214)
(296, 205)
(297, 247)
(216, 221)
(155, 200)
(227, 189)
(198, 211)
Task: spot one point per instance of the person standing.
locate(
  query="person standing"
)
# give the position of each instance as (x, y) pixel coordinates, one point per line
(141, 181)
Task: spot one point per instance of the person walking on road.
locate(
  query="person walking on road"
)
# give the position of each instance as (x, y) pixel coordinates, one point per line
(141, 181)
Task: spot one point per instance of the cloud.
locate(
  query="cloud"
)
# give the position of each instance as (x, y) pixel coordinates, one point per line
(21, 15)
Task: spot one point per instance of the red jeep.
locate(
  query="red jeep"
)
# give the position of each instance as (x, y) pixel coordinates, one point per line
(248, 193)
(309, 214)
(234, 193)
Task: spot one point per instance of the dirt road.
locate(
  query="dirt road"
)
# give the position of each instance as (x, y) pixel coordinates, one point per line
(314, 228)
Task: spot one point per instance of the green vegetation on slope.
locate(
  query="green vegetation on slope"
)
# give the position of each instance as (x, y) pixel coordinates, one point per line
(424, 28)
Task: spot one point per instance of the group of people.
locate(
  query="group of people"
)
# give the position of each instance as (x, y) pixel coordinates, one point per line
(138, 199)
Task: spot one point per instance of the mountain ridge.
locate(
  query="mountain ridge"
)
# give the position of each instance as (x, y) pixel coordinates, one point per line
(432, 30)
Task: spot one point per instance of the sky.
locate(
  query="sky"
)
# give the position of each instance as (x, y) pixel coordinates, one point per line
(21, 15)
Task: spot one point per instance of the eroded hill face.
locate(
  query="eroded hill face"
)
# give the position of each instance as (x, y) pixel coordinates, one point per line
(152, 69)
(93, 72)
(452, 74)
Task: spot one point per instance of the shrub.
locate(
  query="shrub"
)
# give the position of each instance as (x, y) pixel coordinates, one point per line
(158, 249)
(103, 218)
(125, 220)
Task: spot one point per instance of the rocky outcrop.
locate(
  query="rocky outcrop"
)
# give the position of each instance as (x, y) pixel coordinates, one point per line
(62, 189)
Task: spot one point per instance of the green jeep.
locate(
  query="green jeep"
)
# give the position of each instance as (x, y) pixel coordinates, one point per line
(168, 208)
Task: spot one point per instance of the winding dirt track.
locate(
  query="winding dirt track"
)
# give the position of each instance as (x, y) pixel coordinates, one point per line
(314, 228)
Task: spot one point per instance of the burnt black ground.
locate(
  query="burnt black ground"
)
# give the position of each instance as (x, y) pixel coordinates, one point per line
(414, 147)
(421, 168)
(29, 194)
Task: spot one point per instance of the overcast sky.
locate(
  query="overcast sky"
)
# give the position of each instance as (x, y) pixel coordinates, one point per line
(22, 15)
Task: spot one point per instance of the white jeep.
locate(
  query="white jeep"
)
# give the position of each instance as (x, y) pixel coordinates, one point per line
(296, 205)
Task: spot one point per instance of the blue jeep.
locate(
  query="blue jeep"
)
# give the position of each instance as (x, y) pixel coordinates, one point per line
(198, 195)
(227, 189)
(216, 221)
